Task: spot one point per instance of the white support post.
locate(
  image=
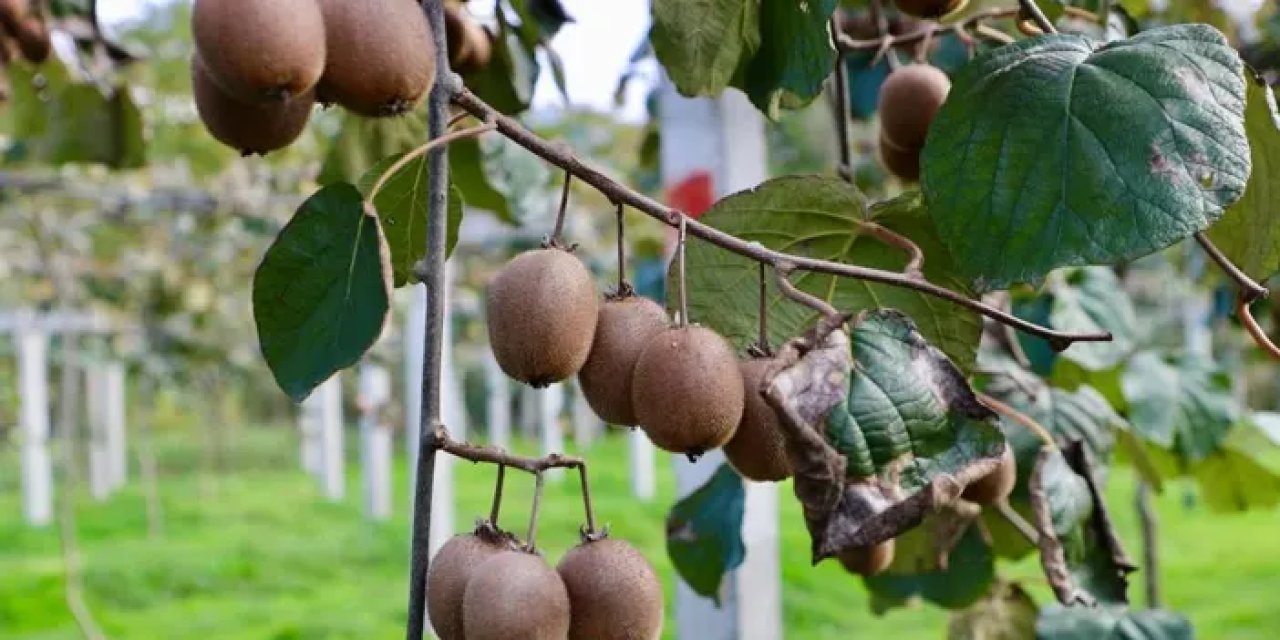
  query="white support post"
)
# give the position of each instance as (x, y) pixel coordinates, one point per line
(550, 406)
(332, 452)
(95, 396)
(33, 396)
(309, 433)
(116, 426)
(586, 425)
(499, 399)
(375, 440)
(643, 457)
(725, 138)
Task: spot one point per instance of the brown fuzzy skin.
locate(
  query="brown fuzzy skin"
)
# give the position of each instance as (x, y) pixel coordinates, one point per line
(614, 593)
(901, 162)
(994, 486)
(382, 58)
(909, 99)
(261, 51)
(868, 561)
(33, 39)
(470, 47)
(247, 128)
(514, 595)
(625, 328)
(13, 11)
(542, 312)
(929, 8)
(687, 390)
(758, 451)
(447, 579)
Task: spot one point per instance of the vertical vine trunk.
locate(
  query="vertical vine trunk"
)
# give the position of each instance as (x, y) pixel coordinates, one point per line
(431, 272)
(1150, 542)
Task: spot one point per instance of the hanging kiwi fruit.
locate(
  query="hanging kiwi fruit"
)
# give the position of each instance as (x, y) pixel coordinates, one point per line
(383, 57)
(248, 128)
(902, 162)
(909, 99)
(452, 569)
(541, 312)
(261, 50)
(758, 450)
(867, 561)
(997, 485)
(626, 325)
(515, 595)
(614, 593)
(687, 390)
(470, 44)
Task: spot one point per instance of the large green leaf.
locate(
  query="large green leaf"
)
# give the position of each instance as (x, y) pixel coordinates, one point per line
(1183, 404)
(57, 120)
(402, 207)
(1236, 476)
(1110, 623)
(1248, 233)
(1060, 151)
(507, 81)
(468, 169)
(702, 43)
(320, 296)
(818, 217)
(1092, 299)
(795, 55)
(964, 579)
(704, 532)
(363, 142)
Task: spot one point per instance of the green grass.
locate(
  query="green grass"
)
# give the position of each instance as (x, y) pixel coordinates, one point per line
(257, 555)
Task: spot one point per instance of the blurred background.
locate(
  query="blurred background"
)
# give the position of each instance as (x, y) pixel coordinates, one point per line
(191, 499)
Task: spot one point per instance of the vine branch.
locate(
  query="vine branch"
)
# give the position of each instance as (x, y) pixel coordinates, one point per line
(847, 43)
(1249, 289)
(496, 455)
(1019, 417)
(1255, 330)
(618, 193)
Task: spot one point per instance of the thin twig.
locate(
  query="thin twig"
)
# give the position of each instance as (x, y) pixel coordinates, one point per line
(1033, 11)
(762, 318)
(840, 112)
(1255, 330)
(1018, 417)
(805, 298)
(500, 456)
(915, 262)
(496, 507)
(993, 34)
(586, 500)
(619, 193)
(1014, 518)
(1150, 549)
(564, 206)
(1249, 289)
(848, 43)
(681, 241)
(624, 287)
(530, 540)
(422, 150)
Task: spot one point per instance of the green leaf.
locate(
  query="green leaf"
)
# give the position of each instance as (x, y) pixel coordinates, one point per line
(321, 294)
(964, 579)
(704, 532)
(910, 415)
(701, 44)
(1058, 151)
(468, 171)
(363, 142)
(795, 56)
(1093, 299)
(1007, 612)
(1093, 551)
(56, 120)
(507, 82)
(818, 217)
(1248, 233)
(1110, 623)
(401, 206)
(1183, 404)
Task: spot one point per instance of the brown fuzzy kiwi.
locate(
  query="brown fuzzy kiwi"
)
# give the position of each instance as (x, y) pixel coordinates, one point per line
(247, 128)
(900, 161)
(614, 593)
(909, 99)
(384, 57)
(625, 327)
(758, 450)
(687, 390)
(994, 486)
(929, 8)
(542, 312)
(514, 595)
(452, 568)
(13, 11)
(261, 51)
(469, 43)
(867, 561)
(33, 39)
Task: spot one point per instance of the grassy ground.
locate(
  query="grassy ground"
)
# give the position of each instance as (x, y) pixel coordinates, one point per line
(256, 555)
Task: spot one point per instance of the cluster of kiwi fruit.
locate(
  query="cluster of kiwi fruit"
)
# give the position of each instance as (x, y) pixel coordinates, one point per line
(485, 585)
(682, 384)
(261, 65)
(24, 34)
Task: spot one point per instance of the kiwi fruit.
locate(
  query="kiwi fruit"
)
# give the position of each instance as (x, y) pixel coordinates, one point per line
(247, 128)
(929, 8)
(625, 327)
(514, 595)
(867, 561)
(542, 312)
(261, 51)
(452, 568)
(13, 11)
(614, 593)
(909, 99)
(900, 161)
(687, 390)
(470, 47)
(758, 450)
(33, 39)
(384, 56)
(994, 486)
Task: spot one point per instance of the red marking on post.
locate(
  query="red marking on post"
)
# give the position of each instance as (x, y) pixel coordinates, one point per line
(693, 195)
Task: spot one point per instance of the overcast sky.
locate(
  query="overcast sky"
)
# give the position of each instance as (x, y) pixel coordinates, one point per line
(595, 49)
